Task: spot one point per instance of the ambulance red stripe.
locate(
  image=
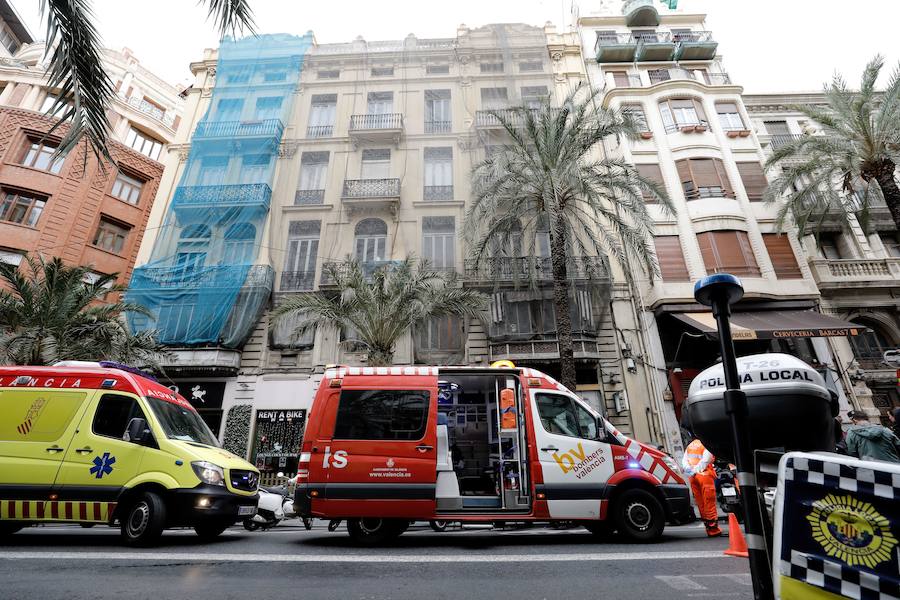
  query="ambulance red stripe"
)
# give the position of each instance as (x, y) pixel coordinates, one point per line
(82, 511)
(11, 509)
(26, 509)
(40, 509)
(54, 510)
(96, 511)
(68, 509)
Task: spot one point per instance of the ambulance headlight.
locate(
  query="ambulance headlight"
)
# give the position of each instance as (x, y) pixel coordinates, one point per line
(209, 473)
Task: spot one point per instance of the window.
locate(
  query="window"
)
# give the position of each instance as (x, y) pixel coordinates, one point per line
(92, 277)
(729, 116)
(255, 168)
(534, 96)
(302, 252)
(621, 78)
(380, 103)
(328, 74)
(754, 180)
(494, 98)
(284, 333)
(313, 170)
(651, 173)
(531, 66)
(681, 113)
(143, 143)
(561, 415)
(10, 257)
(607, 36)
(670, 257)
(437, 111)
(636, 113)
(830, 246)
(268, 108)
(111, 236)
(704, 178)
(193, 246)
(869, 346)
(659, 75)
(238, 244)
(273, 76)
(211, 170)
(8, 39)
(491, 67)
(229, 109)
(438, 174)
(891, 242)
(21, 208)
(382, 415)
(376, 163)
(782, 255)
(113, 415)
(439, 242)
(39, 155)
(239, 77)
(437, 69)
(777, 128)
(50, 102)
(321, 115)
(127, 188)
(440, 334)
(728, 252)
(382, 71)
(371, 240)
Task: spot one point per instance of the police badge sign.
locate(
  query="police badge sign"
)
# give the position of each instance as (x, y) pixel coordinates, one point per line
(837, 525)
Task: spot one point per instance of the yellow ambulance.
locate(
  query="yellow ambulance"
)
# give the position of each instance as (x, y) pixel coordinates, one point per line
(96, 443)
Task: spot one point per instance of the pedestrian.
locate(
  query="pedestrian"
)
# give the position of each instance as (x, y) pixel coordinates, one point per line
(869, 441)
(894, 417)
(698, 466)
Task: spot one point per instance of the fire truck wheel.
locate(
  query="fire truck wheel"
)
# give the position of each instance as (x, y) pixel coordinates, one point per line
(143, 521)
(372, 531)
(638, 515)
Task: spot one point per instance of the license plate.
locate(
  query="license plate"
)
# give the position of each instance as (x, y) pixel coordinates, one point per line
(729, 491)
(244, 511)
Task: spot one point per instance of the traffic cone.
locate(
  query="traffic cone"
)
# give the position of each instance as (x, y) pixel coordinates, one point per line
(737, 545)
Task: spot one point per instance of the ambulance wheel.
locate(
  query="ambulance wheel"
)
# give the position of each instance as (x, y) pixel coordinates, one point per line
(372, 531)
(638, 515)
(144, 519)
(208, 530)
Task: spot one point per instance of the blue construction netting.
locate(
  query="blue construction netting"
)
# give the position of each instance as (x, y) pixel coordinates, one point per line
(204, 284)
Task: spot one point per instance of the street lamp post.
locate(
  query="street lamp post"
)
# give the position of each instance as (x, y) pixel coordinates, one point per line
(720, 291)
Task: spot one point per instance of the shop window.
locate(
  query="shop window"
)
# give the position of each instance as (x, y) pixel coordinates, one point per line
(728, 252)
(670, 257)
(782, 255)
(382, 415)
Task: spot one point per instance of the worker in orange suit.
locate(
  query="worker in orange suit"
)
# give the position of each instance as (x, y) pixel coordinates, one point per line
(698, 465)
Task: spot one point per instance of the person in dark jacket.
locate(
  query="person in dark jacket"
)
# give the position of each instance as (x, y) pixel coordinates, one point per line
(894, 416)
(871, 442)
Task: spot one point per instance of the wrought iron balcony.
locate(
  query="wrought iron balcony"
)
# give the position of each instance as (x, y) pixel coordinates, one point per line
(297, 281)
(235, 129)
(506, 269)
(151, 110)
(718, 79)
(371, 188)
(309, 197)
(433, 193)
(368, 268)
(376, 128)
(542, 350)
(194, 277)
(319, 131)
(695, 45)
(438, 126)
(657, 45)
(615, 47)
(780, 139)
(486, 118)
(853, 273)
(661, 75)
(255, 196)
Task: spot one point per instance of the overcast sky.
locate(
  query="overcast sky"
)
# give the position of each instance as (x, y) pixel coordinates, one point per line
(768, 45)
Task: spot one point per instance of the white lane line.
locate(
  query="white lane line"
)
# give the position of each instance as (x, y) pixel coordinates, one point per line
(680, 582)
(356, 558)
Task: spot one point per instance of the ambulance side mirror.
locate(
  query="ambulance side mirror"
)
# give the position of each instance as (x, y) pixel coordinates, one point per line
(138, 432)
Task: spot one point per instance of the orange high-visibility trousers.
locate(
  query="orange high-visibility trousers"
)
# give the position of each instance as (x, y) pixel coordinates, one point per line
(703, 486)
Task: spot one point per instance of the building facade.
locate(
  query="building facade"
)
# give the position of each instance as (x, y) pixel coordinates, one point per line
(71, 207)
(856, 266)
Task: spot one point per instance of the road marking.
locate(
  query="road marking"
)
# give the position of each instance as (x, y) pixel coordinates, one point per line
(343, 558)
(680, 582)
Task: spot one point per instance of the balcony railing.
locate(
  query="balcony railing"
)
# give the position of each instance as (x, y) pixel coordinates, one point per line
(151, 110)
(856, 272)
(437, 126)
(297, 281)
(660, 75)
(718, 79)
(514, 116)
(371, 188)
(434, 193)
(537, 268)
(232, 129)
(541, 349)
(377, 121)
(309, 197)
(707, 192)
(693, 36)
(368, 268)
(191, 277)
(319, 131)
(780, 139)
(613, 39)
(241, 194)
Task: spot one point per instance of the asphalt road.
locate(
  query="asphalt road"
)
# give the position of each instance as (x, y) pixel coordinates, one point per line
(292, 563)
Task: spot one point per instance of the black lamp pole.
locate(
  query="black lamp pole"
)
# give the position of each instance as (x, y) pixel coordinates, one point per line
(720, 291)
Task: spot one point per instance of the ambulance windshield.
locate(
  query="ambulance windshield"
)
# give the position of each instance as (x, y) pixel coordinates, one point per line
(180, 423)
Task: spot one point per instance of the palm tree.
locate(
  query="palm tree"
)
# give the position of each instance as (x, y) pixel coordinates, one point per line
(549, 179)
(51, 312)
(382, 307)
(76, 67)
(852, 165)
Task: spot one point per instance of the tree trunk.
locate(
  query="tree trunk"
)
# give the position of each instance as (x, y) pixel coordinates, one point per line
(379, 357)
(561, 305)
(885, 177)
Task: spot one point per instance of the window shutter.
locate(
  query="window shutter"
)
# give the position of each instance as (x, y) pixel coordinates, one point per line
(782, 255)
(754, 179)
(701, 114)
(621, 78)
(726, 107)
(497, 308)
(671, 258)
(728, 252)
(684, 171)
(723, 178)
(705, 172)
(654, 174)
(707, 250)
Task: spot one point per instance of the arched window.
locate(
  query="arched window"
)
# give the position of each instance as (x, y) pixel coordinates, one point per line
(371, 240)
(869, 347)
(238, 249)
(193, 246)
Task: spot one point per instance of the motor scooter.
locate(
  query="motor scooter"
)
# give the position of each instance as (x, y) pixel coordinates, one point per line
(727, 492)
(275, 505)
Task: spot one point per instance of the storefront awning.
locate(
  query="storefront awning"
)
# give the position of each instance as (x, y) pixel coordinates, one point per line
(774, 324)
